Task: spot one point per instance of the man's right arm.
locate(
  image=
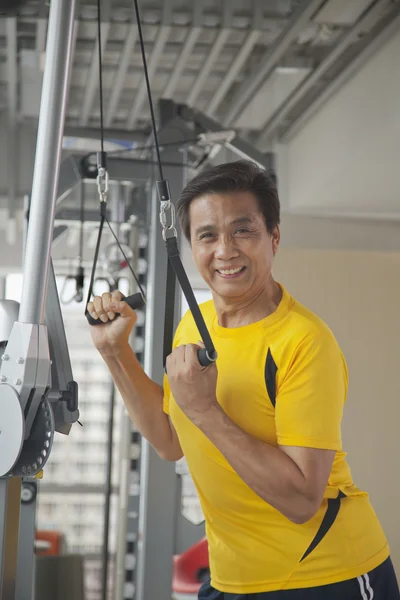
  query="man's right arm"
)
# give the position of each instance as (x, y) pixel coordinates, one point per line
(143, 399)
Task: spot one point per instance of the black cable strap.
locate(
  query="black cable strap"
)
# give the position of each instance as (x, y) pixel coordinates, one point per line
(96, 257)
(169, 312)
(175, 261)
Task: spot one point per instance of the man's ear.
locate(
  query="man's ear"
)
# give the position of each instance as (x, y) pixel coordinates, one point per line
(276, 238)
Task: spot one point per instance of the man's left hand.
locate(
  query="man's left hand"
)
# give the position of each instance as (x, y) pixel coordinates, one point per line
(193, 386)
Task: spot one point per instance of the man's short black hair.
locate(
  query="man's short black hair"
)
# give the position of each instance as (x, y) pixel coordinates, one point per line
(239, 176)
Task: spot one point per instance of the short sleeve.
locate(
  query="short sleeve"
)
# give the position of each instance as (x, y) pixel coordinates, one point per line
(311, 397)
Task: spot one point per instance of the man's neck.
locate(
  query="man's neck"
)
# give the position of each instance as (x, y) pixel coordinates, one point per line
(237, 313)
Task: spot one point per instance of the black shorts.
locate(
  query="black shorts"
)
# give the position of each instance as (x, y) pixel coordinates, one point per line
(379, 584)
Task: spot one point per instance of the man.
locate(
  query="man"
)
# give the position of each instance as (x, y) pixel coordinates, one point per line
(261, 429)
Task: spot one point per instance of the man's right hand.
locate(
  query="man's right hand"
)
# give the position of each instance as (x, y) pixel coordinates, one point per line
(114, 333)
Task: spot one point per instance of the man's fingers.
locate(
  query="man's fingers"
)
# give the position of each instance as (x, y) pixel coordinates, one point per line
(192, 351)
(117, 296)
(123, 309)
(99, 309)
(91, 310)
(106, 301)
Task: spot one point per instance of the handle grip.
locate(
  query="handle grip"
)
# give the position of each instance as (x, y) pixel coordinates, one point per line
(135, 301)
(205, 359)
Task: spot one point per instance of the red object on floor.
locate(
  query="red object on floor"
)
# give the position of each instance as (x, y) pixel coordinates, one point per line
(188, 567)
(48, 543)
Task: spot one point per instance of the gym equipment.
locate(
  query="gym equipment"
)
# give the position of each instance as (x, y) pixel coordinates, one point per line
(208, 354)
(37, 391)
(191, 569)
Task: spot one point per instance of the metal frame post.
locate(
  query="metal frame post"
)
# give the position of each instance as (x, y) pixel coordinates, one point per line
(47, 161)
(25, 585)
(10, 502)
(158, 514)
(36, 267)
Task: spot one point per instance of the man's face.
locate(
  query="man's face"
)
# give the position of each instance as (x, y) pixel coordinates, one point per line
(231, 246)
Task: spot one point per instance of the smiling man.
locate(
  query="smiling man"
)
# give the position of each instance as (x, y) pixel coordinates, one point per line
(261, 429)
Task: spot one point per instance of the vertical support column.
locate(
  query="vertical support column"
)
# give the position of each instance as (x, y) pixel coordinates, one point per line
(47, 162)
(159, 482)
(129, 459)
(10, 500)
(26, 547)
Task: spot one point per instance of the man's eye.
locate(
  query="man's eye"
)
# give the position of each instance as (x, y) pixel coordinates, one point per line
(205, 235)
(242, 230)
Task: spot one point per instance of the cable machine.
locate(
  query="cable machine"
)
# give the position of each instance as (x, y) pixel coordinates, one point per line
(37, 390)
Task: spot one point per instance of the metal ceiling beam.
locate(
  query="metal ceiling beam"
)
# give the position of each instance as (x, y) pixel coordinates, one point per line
(390, 26)
(93, 75)
(219, 43)
(239, 61)
(12, 98)
(349, 37)
(119, 80)
(138, 136)
(252, 84)
(185, 52)
(161, 39)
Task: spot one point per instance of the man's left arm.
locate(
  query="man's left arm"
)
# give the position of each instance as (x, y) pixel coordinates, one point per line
(292, 476)
(291, 479)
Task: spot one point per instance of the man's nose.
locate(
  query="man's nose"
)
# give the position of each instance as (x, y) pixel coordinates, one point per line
(226, 249)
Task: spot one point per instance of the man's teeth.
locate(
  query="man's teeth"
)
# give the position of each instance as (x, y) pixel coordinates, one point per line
(230, 271)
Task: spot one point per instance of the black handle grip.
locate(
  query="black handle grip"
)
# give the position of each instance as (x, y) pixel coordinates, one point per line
(204, 359)
(135, 301)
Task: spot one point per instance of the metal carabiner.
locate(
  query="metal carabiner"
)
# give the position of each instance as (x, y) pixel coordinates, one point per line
(167, 220)
(102, 184)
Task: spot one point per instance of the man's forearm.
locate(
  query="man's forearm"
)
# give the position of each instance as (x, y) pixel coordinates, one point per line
(267, 470)
(143, 399)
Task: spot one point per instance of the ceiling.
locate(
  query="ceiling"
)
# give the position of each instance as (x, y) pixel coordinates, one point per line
(253, 65)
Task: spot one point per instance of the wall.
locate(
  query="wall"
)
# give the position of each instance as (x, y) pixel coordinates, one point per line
(357, 294)
(345, 157)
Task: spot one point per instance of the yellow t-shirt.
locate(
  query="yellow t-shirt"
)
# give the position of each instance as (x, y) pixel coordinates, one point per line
(284, 381)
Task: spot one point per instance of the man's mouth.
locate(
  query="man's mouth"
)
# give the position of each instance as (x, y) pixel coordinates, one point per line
(230, 273)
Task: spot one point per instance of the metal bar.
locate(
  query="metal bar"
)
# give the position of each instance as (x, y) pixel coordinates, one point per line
(252, 84)
(108, 492)
(120, 77)
(129, 473)
(348, 38)
(136, 136)
(161, 39)
(47, 162)
(74, 488)
(25, 585)
(217, 46)
(157, 520)
(125, 428)
(93, 75)
(390, 27)
(186, 51)
(233, 71)
(61, 369)
(12, 87)
(10, 503)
